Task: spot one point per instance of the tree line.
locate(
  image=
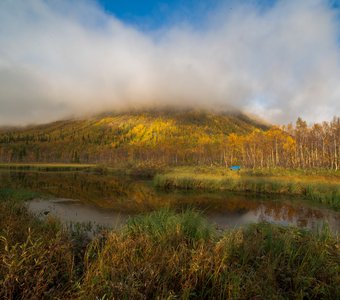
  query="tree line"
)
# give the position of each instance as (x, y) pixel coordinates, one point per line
(290, 146)
(164, 142)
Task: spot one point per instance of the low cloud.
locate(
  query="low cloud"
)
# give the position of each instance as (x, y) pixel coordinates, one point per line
(67, 58)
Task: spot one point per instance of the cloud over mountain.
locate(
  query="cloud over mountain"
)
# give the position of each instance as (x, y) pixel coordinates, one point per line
(62, 58)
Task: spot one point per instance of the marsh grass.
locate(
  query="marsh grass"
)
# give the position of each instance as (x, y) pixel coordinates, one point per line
(36, 257)
(165, 225)
(262, 261)
(35, 267)
(162, 255)
(17, 195)
(284, 172)
(318, 189)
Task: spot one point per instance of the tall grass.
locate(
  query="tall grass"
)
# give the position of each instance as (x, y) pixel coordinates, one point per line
(9, 194)
(284, 172)
(322, 191)
(36, 257)
(163, 255)
(35, 268)
(165, 225)
(259, 262)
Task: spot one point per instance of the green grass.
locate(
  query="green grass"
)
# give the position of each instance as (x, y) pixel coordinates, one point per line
(262, 261)
(162, 255)
(323, 189)
(17, 195)
(165, 224)
(327, 173)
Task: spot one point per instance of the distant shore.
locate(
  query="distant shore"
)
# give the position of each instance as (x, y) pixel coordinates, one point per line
(317, 185)
(321, 186)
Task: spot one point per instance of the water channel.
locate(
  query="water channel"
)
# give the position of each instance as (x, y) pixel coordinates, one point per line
(108, 200)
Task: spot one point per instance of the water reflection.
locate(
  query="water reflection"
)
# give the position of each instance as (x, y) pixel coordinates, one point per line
(108, 200)
(302, 217)
(74, 211)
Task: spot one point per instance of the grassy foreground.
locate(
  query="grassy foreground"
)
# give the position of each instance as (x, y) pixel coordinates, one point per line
(162, 255)
(319, 186)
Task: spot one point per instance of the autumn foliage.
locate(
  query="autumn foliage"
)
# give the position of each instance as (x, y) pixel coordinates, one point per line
(299, 146)
(176, 138)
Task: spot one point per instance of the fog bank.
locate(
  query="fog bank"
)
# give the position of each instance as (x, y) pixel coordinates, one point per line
(69, 58)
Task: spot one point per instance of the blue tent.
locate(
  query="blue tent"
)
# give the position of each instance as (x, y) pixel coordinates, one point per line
(235, 168)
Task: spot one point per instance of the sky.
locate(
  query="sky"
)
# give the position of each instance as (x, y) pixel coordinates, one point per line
(276, 59)
(151, 14)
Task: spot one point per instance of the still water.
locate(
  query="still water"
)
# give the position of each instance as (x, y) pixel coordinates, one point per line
(108, 200)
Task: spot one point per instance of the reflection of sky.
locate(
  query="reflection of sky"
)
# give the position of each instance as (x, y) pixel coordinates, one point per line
(75, 211)
(304, 217)
(120, 194)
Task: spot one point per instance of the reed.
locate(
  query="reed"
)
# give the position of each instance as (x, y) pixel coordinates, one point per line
(261, 261)
(319, 190)
(165, 225)
(36, 257)
(162, 255)
(15, 195)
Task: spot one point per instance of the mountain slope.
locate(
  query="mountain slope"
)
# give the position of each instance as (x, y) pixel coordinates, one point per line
(165, 136)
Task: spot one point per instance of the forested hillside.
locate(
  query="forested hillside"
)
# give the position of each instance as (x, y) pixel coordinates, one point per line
(175, 138)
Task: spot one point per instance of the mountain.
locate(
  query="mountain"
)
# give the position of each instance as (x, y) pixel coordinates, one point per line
(158, 136)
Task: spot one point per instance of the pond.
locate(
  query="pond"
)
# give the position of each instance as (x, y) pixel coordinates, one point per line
(108, 200)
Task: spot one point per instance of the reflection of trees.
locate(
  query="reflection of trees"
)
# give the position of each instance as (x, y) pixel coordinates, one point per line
(125, 195)
(296, 214)
(106, 191)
